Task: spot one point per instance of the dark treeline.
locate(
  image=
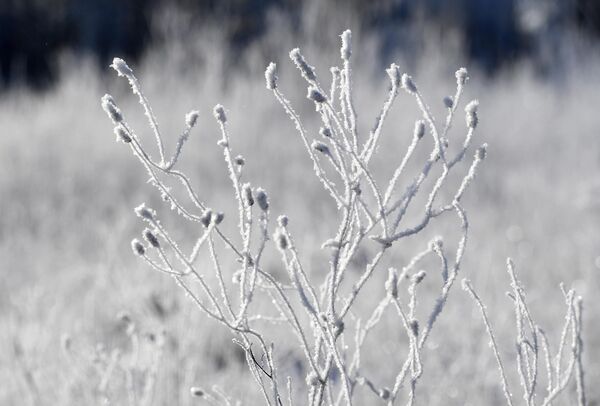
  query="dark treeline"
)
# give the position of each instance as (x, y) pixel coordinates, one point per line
(34, 32)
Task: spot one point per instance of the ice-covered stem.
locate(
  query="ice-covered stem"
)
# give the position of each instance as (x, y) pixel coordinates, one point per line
(418, 134)
(411, 88)
(394, 74)
(329, 186)
(462, 76)
(190, 121)
(528, 369)
(526, 363)
(224, 142)
(346, 52)
(297, 273)
(467, 286)
(122, 69)
(579, 371)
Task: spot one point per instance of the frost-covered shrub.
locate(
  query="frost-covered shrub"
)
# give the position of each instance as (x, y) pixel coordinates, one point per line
(321, 308)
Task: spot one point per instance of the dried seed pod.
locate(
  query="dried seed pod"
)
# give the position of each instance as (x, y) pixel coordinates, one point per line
(325, 132)
(395, 76)
(281, 240)
(471, 117)
(346, 49)
(145, 213)
(305, 69)
(408, 84)
(262, 199)
(481, 152)
(206, 217)
(315, 95)
(219, 113)
(419, 131)
(122, 134)
(338, 328)
(191, 118)
(282, 221)
(462, 76)
(384, 393)
(247, 194)
(239, 160)
(418, 277)
(448, 102)
(151, 238)
(121, 67)
(137, 247)
(219, 217)
(271, 77)
(109, 106)
(321, 147)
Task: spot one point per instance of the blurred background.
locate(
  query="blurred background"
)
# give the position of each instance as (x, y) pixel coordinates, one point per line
(34, 35)
(67, 189)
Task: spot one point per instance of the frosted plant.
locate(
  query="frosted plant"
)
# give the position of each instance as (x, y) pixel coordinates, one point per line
(533, 348)
(330, 329)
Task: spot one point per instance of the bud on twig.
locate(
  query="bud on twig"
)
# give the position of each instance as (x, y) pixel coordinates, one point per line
(122, 134)
(109, 106)
(481, 152)
(346, 49)
(122, 68)
(145, 213)
(305, 69)
(315, 95)
(471, 110)
(395, 76)
(137, 247)
(325, 132)
(448, 102)
(219, 113)
(239, 160)
(419, 129)
(462, 76)
(321, 147)
(282, 221)
(271, 77)
(408, 84)
(262, 199)
(191, 118)
(418, 277)
(206, 217)
(151, 238)
(247, 194)
(281, 240)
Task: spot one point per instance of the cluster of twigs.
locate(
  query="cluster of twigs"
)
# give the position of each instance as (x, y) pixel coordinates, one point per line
(533, 348)
(317, 310)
